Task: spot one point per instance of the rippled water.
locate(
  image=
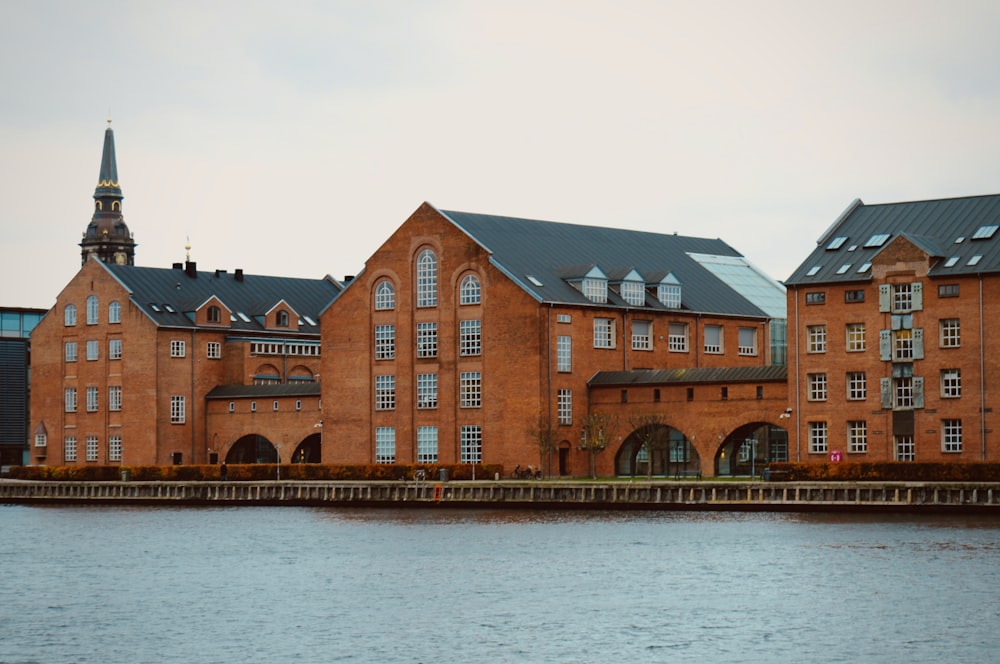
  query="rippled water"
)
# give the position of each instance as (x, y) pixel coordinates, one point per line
(251, 584)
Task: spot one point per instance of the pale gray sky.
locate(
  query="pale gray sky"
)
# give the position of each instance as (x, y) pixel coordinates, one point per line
(293, 138)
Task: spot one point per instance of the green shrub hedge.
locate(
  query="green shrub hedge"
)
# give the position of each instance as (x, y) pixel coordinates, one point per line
(887, 471)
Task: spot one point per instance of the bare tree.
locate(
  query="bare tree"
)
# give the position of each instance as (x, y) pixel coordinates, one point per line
(598, 430)
(545, 437)
(651, 429)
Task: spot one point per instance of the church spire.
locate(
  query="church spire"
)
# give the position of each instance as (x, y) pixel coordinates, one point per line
(107, 236)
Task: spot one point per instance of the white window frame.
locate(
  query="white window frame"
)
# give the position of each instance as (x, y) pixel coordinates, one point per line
(950, 332)
(178, 409)
(818, 434)
(604, 333)
(427, 391)
(470, 337)
(747, 341)
(69, 400)
(427, 339)
(385, 342)
(564, 406)
(385, 392)
(857, 386)
(904, 447)
(93, 350)
(114, 398)
(633, 292)
(642, 335)
(677, 337)
(93, 399)
(178, 348)
(93, 310)
(427, 444)
(857, 436)
(856, 341)
(951, 383)
(114, 349)
(69, 448)
(93, 448)
(385, 445)
(213, 350)
(70, 351)
(595, 289)
(951, 435)
(471, 444)
(69, 315)
(115, 447)
(816, 338)
(817, 387)
(385, 297)
(470, 389)
(714, 339)
(427, 271)
(470, 291)
(115, 312)
(564, 353)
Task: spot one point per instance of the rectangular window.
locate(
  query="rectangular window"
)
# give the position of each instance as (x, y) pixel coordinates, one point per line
(596, 290)
(816, 338)
(93, 350)
(92, 310)
(470, 338)
(92, 448)
(69, 315)
(904, 392)
(385, 392)
(677, 341)
(427, 444)
(178, 410)
(427, 339)
(70, 399)
(747, 342)
(471, 438)
(427, 390)
(857, 387)
(213, 350)
(604, 333)
(115, 397)
(178, 348)
(115, 447)
(92, 400)
(857, 436)
(633, 292)
(951, 435)
(713, 338)
(854, 296)
(817, 437)
(69, 448)
(902, 344)
(818, 297)
(902, 297)
(817, 387)
(385, 342)
(951, 383)
(641, 337)
(948, 290)
(385, 445)
(855, 337)
(950, 333)
(564, 354)
(470, 389)
(564, 405)
(905, 449)
(114, 349)
(669, 295)
(71, 351)
(564, 318)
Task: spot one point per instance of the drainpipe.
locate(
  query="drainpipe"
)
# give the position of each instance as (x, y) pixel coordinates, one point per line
(982, 374)
(797, 411)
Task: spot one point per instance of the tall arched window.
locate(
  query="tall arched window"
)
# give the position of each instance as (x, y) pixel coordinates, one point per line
(92, 310)
(470, 291)
(69, 315)
(385, 296)
(115, 312)
(427, 279)
(282, 318)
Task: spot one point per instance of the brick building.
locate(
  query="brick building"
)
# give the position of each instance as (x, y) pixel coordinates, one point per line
(888, 349)
(470, 338)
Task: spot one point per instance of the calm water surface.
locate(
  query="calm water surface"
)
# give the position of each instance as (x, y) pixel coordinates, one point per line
(249, 584)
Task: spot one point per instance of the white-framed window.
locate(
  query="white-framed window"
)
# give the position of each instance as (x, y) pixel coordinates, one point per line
(253, 406)
(70, 354)
(855, 337)
(385, 445)
(902, 297)
(642, 337)
(92, 448)
(713, 339)
(232, 406)
(427, 390)
(633, 292)
(470, 291)
(747, 342)
(114, 349)
(564, 353)
(281, 319)
(93, 310)
(677, 341)
(69, 399)
(274, 406)
(595, 289)
(668, 292)
(69, 315)
(115, 447)
(564, 406)
(41, 439)
(816, 338)
(385, 297)
(69, 448)
(115, 312)
(114, 397)
(470, 389)
(817, 438)
(817, 387)
(564, 318)
(905, 449)
(902, 344)
(213, 350)
(385, 342)
(471, 441)
(857, 386)
(604, 333)
(470, 337)
(951, 383)
(178, 409)
(178, 348)
(214, 314)
(427, 339)
(904, 392)
(92, 399)
(93, 350)
(427, 279)
(950, 333)
(385, 392)
(427, 444)
(857, 436)
(951, 435)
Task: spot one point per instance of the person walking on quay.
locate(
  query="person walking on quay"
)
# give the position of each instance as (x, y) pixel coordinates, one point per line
(224, 472)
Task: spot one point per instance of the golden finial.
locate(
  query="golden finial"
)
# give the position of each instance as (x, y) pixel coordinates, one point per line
(187, 249)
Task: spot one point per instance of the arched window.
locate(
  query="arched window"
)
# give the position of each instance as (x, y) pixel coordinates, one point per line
(69, 315)
(385, 296)
(115, 312)
(470, 292)
(116, 206)
(92, 310)
(282, 318)
(427, 279)
(214, 314)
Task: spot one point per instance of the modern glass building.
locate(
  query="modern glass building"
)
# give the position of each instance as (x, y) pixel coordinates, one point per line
(15, 381)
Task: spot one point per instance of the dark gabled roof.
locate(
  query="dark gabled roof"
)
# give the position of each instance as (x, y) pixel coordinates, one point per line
(755, 374)
(302, 388)
(943, 228)
(158, 290)
(556, 254)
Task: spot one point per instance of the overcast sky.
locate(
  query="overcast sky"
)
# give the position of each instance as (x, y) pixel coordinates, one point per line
(293, 138)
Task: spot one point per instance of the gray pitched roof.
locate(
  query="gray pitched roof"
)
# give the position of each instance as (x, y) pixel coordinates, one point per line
(554, 254)
(755, 374)
(170, 296)
(943, 228)
(303, 388)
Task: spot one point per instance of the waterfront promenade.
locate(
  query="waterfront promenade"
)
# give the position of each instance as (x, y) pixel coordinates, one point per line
(676, 495)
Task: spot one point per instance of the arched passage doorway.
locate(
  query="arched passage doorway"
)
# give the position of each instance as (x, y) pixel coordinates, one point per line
(748, 450)
(657, 450)
(308, 450)
(252, 448)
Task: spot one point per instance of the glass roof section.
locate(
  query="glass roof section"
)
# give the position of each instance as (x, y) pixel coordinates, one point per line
(837, 242)
(876, 240)
(748, 280)
(985, 232)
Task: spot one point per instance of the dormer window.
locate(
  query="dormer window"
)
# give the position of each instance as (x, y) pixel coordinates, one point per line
(214, 314)
(633, 289)
(668, 292)
(282, 318)
(595, 286)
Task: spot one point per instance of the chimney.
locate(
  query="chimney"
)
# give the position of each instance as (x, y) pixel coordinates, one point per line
(239, 274)
(219, 273)
(178, 266)
(191, 269)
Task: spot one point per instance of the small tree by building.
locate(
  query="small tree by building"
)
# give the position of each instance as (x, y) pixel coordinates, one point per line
(545, 437)
(651, 428)
(598, 429)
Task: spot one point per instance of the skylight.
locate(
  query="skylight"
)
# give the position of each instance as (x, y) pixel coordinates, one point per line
(985, 232)
(975, 260)
(813, 270)
(864, 266)
(310, 320)
(951, 261)
(844, 268)
(169, 308)
(534, 281)
(876, 240)
(837, 242)
(154, 307)
(243, 316)
(748, 280)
